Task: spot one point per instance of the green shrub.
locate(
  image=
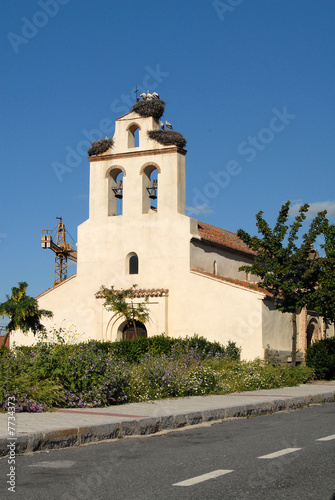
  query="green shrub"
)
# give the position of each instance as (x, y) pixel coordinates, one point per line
(232, 351)
(272, 356)
(163, 377)
(238, 376)
(321, 357)
(19, 379)
(132, 351)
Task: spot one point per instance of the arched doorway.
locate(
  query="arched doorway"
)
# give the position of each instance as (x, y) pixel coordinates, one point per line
(128, 332)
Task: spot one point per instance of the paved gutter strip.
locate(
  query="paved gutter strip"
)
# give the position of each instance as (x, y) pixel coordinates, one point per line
(167, 417)
(85, 412)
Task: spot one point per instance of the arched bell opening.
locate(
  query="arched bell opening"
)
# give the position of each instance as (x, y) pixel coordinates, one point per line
(150, 189)
(115, 191)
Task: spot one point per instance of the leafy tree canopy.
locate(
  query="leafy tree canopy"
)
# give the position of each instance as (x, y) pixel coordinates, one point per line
(324, 294)
(23, 311)
(288, 270)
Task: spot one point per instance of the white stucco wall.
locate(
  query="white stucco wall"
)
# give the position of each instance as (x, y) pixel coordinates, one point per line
(277, 328)
(217, 310)
(228, 262)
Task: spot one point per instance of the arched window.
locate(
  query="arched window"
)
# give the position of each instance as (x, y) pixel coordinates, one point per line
(215, 267)
(132, 264)
(133, 136)
(150, 188)
(115, 191)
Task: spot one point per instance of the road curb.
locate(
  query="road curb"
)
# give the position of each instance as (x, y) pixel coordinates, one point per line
(76, 436)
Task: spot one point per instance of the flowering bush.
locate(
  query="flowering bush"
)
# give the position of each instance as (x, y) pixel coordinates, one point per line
(95, 374)
(255, 375)
(18, 379)
(163, 377)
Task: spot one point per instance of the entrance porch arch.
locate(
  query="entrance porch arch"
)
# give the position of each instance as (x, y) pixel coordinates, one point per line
(128, 331)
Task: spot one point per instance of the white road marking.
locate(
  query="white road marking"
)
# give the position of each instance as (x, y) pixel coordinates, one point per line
(203, 477)
(327, 438)
(280, 453)
(55, 464)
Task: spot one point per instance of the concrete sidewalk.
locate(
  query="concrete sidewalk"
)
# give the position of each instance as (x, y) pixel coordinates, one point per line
(73, 427)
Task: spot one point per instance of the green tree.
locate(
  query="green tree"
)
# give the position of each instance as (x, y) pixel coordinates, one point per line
(122, 302)
(287, 270)
(324, 295)
(23, 312)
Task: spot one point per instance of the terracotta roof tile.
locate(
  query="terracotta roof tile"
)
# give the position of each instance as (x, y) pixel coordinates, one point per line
(142, 292)
(244, 284)
(222, 237)
(151, 292)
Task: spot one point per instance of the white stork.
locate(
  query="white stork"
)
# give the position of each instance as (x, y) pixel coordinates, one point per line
(149, 96)
(155, 95)
(168, 125)
(144, 96)
(162, 125)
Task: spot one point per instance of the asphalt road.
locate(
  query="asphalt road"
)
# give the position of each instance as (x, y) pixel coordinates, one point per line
(287, 455)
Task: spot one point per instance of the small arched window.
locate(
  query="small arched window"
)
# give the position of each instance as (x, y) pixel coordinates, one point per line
(215, 267)
(132, 263)
(133, 136)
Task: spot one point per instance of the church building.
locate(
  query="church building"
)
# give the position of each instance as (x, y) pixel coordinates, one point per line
(137, 233)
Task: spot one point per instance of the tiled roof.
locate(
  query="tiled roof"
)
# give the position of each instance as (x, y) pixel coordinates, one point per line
(222, 237)
(246, 284)
(142, 292)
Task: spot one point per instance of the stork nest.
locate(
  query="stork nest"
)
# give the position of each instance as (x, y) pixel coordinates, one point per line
(149, 107)
(100, 146)
(167, 137)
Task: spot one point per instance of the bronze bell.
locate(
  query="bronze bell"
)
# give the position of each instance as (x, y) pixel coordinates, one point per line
(152, 190)
(118, 190)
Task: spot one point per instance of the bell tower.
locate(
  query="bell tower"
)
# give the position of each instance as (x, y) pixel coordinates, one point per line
(143, 172)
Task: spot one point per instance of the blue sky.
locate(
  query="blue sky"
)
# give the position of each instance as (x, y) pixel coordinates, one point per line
(250, 85)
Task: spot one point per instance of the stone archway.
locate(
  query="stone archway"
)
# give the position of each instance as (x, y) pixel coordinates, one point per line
(128, 332)
(312, 331)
